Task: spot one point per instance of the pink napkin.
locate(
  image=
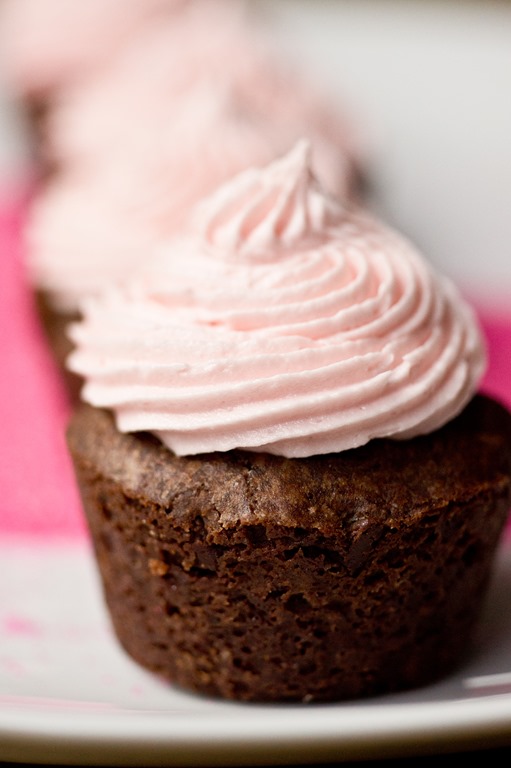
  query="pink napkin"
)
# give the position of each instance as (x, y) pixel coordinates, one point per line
(37, 488)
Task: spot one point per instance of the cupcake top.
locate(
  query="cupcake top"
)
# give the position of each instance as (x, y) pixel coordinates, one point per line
(49, 44)
(284, 321)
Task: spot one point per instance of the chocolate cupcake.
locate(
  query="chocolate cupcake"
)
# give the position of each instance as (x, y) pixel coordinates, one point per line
(256, 577)
(293, 491)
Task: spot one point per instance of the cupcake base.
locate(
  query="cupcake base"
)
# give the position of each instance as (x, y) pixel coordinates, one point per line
(257, 578)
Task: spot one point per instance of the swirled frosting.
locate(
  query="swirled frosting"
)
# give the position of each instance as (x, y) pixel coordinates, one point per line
(286, 322)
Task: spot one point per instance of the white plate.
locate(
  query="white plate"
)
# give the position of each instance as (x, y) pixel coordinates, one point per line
(70, 694)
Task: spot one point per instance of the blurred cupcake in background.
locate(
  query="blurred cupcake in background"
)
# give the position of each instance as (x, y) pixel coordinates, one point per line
(188, 105)
(128, 105)
(48, 46)
(89, 227)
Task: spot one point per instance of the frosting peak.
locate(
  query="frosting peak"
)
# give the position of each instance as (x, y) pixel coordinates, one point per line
(264, 210)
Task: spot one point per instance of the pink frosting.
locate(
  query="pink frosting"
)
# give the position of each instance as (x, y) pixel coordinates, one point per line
(49, 44)
(78, 238)
(286, 323)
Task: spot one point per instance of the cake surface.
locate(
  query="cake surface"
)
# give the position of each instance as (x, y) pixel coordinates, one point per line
(261, 578)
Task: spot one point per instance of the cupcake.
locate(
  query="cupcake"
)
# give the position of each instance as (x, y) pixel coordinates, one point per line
(49, 46)
(294, 492)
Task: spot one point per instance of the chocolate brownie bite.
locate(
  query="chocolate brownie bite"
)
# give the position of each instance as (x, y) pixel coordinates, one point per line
(294, 492)
(260, 578)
